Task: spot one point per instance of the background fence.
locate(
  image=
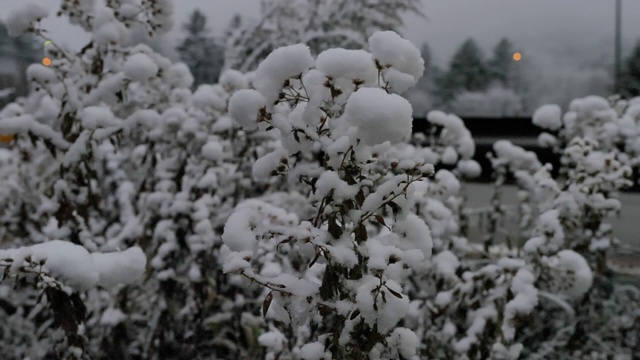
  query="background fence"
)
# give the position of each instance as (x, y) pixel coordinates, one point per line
(520, 131)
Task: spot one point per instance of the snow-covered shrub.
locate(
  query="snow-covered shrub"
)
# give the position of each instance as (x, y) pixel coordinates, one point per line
(453, 142)
(566, 222)
(321, 25)
(573, 210)
(112, 150)
(338, 278)
(613, 123)
(556, 268)
(278, 214)
(59, 271)
(475, 315)
(449, 146)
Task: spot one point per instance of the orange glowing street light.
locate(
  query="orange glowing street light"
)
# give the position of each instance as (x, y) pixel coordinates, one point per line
(46, 61)
(517, 56)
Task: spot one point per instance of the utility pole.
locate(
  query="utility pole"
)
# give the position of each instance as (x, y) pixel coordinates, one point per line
(618, 46)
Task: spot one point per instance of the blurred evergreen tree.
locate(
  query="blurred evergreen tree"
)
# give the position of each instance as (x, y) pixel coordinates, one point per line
(630, 79)
(421, 96)
(21, 52)
(234, 25)
(320, 24)
(427, 56)
(467, 72)
(203, 53)
(501, 65)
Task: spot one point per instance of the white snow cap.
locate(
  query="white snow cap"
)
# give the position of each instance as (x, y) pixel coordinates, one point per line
(140, 67)
(180, 76)
(213, 150)
(517, 157)
(548, 117)
(19, 21)
(348, 64)
(524, 301)
(547, 140)
(312, 351)
(589, 104)
(233, 80)
(40, 73)
(379, 116)
(283, 63)
(414, 234)
(107, 29)
(124, 267)
(273, 340)
(76, 267)
(112, 317)
(405, 341)
(244, 107)
(94, 117)
(207, 97)
(405, 60)
(469, 168)
(385, 314)
(578, 272)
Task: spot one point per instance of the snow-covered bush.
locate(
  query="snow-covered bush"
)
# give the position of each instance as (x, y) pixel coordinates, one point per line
(321, 25)
(565, 230)
(280, 213)
(613, 123)
(338, 278)
(552, 267)
(58, 270)
(448, 145)
(112, 150)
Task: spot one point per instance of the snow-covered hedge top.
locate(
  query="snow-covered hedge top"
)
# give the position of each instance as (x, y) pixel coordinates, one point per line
(548, 117)
(74, 266)
(612, 123)
(514, 157)
(455, 137)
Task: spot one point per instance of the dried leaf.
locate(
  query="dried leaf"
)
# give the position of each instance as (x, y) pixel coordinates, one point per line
(334, 229)
(394, 207)
(267, 303)
(315, 259)
(394, 293)
(380, 220)
(360, 198)
(360, 233)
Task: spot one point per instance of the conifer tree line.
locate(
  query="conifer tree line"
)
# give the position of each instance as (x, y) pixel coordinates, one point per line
(288, 211)
(473, 82)
(471, 71)
(22, 50)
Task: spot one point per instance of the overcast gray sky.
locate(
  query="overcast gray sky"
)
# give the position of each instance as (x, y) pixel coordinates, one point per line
(563, 30)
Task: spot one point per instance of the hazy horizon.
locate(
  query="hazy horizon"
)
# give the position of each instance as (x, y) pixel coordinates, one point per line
(575, 31)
